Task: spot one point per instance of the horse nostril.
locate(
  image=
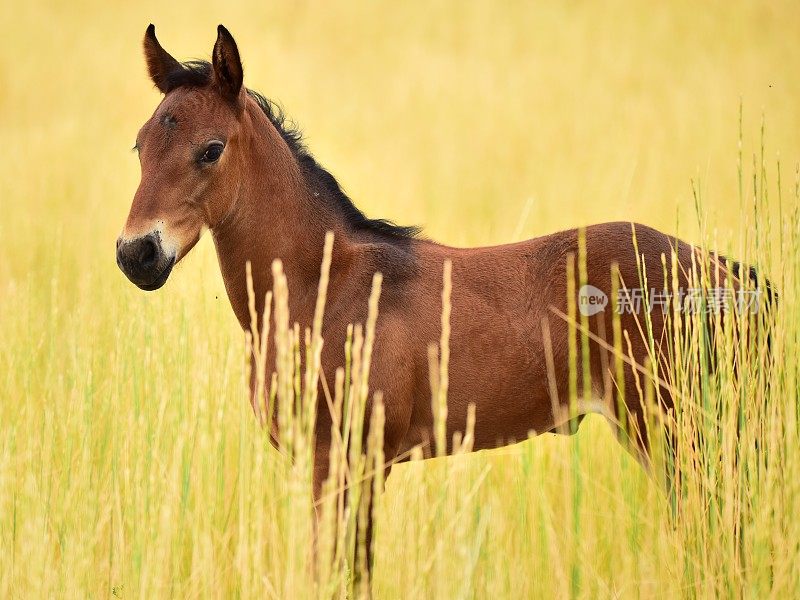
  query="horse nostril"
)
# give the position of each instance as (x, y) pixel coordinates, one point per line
(148, 254)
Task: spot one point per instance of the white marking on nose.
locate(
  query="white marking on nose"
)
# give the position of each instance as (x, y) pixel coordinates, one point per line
(156, 228)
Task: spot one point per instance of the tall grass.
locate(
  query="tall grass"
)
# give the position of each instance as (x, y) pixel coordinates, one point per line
(131, 462)
(186, 497)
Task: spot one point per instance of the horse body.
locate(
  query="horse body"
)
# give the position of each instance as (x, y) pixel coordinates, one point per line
(503, 319)
(503, 322)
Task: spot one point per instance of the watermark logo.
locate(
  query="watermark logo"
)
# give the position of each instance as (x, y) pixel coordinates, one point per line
(591, 300)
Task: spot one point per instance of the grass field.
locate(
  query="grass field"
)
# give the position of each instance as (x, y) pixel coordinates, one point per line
(130, 463)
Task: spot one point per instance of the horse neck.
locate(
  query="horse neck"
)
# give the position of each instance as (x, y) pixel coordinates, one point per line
(274, 216)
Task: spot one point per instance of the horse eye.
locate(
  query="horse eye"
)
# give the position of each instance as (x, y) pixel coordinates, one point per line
(213, 152)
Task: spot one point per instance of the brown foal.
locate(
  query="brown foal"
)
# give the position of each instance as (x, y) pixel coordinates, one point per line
(216, 155)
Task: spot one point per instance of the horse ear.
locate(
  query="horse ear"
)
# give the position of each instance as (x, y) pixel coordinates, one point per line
(228, 73)
(160, 63)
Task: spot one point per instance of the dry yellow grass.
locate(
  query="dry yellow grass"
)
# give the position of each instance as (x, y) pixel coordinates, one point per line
(130, 464)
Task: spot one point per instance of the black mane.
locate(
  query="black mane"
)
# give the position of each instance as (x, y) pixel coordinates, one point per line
(197, 73)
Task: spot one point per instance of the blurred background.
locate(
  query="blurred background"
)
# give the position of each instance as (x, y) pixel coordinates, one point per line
(483, 122)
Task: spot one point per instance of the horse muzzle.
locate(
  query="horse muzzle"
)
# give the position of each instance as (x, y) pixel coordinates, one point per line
(144, 261)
